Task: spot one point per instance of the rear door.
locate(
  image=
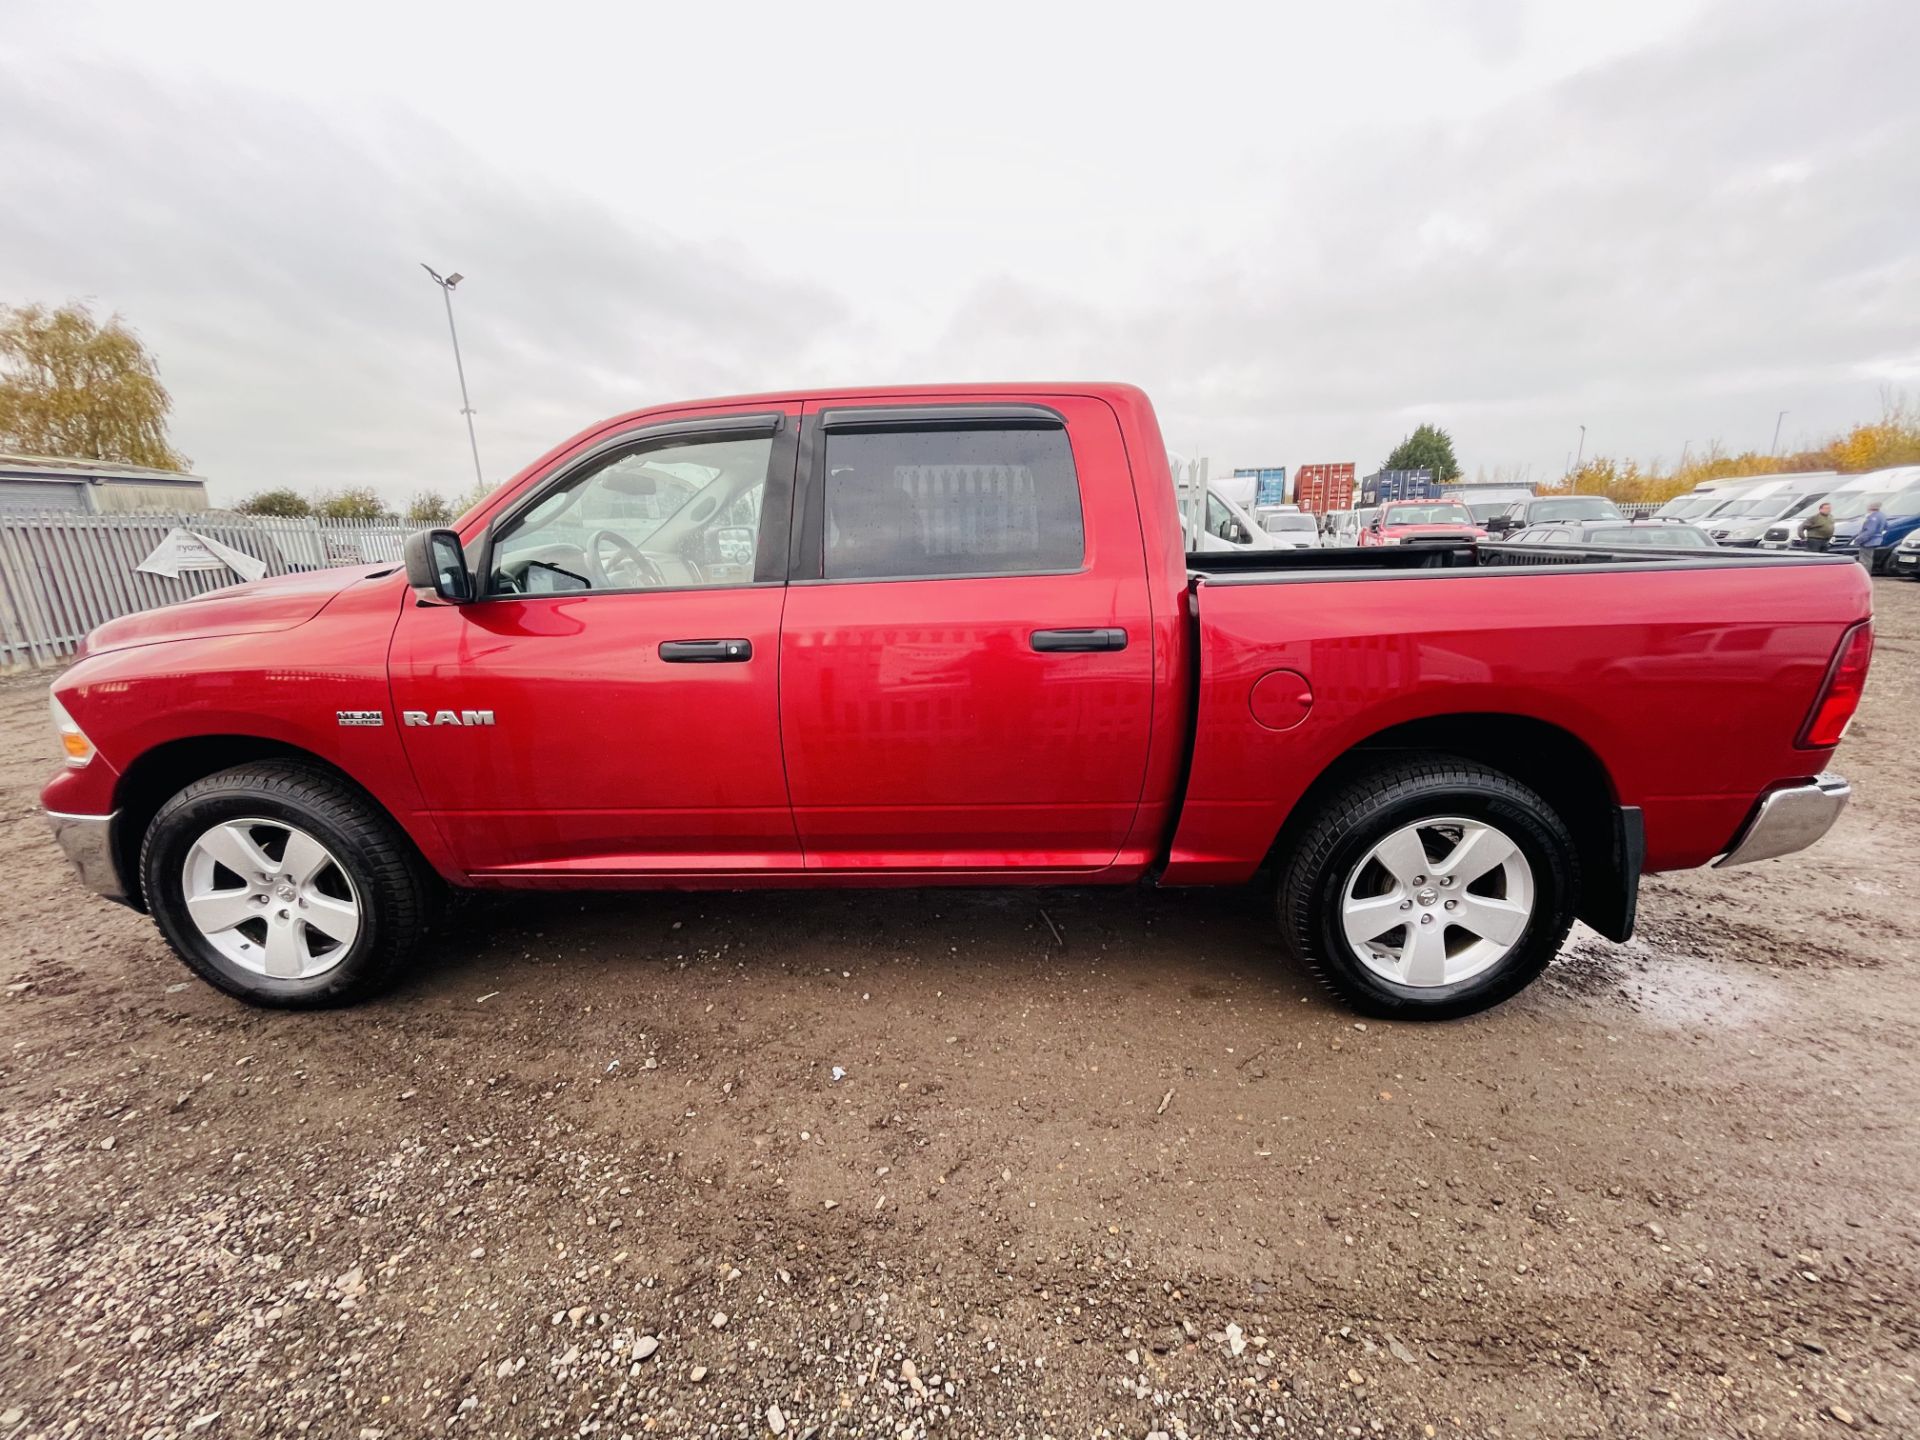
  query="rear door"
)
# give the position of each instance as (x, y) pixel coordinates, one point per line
(966, 668)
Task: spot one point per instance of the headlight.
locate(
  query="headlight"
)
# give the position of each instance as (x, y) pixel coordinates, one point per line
(79, 749)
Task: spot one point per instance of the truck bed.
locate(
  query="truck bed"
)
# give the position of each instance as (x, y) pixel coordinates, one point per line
(1387, 561)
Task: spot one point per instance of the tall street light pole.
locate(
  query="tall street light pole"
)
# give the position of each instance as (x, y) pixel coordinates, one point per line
(446, 284)
(1582, 455)
(1776, 431)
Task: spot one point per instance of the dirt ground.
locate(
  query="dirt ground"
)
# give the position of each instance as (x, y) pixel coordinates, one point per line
(592, 1173)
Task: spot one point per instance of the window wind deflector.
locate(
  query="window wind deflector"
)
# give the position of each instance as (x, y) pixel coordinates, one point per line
(945, 417)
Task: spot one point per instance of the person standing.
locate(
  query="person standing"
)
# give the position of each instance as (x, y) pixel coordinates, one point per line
(1873, 530)
(1816, 531)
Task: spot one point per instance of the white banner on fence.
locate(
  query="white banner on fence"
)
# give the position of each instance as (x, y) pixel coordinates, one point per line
(184, 550)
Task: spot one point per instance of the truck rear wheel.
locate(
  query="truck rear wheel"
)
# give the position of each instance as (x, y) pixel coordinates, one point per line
(284, 886)
(1430, 888)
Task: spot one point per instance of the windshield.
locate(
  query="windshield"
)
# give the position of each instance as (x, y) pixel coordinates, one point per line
(1737, 508)
(1687, 505)
(1906, 503)
(1446, 513)
(1577, 507)
(1853, 505)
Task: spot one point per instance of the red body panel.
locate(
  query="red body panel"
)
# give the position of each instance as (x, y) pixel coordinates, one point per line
(905, 731)
(923, 732)
(1624, 663)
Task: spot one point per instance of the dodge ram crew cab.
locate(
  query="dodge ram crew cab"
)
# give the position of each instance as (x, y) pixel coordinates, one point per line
(946, 637)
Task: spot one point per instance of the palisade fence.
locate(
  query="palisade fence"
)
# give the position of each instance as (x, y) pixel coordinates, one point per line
(61, 574)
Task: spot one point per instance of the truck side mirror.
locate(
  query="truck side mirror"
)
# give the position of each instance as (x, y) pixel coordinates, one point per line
(437, 563)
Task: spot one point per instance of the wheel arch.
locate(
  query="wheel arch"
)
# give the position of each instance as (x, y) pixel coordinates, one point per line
(160, 773)
(1553, 761)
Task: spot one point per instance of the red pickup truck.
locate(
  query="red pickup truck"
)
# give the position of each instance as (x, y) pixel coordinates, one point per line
(946, 636)
(1421, 522)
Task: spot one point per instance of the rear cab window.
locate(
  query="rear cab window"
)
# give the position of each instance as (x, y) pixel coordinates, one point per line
(932, 501)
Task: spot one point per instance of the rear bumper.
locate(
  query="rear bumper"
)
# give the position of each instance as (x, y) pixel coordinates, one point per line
(88, 841)
(1788, 820)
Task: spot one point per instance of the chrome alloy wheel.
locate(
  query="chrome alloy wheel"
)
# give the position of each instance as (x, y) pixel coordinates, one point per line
(1437, 902)
(271, 898)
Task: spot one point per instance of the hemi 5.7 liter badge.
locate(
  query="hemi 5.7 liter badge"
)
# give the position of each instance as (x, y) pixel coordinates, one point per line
(360, 717)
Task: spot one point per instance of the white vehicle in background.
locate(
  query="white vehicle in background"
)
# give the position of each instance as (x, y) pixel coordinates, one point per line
(1228, 528)
(1486, 501)
(1296, 529)
(1344, 526)
(1715, 498)
(1782, 508)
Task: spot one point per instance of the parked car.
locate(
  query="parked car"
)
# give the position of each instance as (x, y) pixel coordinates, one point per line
(1748, 525)
(1344, 526)
(967, 649)
(1712, 497)
(1295, 528)
(1543, 508)
(1421, 522)
(1905, 559)
(1903, 518)
(1605, 534)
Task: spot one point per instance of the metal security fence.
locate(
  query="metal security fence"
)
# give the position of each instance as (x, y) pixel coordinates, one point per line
(61, 574)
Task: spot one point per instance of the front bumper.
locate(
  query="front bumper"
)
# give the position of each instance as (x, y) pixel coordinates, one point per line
(88, 841)
(1788, 820)
(1905, 562)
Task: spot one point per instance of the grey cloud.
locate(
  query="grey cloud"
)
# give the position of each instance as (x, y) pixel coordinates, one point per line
(1669, 247)
(270, 256)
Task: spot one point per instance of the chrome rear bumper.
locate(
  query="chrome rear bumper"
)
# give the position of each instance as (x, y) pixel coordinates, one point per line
(88, 841)
(1788, 820)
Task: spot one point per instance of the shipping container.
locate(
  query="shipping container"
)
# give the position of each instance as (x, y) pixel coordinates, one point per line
(1269, 486)
(1384, 485)
(1324, 489)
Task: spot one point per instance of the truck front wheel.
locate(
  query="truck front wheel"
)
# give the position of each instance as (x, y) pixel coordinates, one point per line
(1429, 888)
(285, 886)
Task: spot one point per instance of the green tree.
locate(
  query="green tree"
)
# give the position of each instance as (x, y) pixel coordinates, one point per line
(1427, 448)
(356, 502)
(70, 385)
(429, 507)
(283, 500)
(480, 491)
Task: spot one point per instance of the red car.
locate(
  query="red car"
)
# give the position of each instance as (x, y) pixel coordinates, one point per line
(945, 637)
(1415, 522)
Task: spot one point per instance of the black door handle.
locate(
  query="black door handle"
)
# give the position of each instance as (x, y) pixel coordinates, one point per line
(706, 652)
(1054, 641)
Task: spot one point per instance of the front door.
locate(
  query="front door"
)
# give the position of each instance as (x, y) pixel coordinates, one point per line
(966, 660)
(610, 706)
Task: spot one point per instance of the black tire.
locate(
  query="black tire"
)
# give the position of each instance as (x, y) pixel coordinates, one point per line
(395, 891)
(1401, 792)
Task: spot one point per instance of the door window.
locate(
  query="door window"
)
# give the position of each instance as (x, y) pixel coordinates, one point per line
(1221, 522)
(673, 514)
(916, 503)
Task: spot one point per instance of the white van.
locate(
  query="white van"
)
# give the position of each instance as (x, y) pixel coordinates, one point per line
(1229, 528)
(1715, 498)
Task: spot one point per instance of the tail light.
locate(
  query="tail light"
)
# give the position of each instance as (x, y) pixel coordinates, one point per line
(1840, 693)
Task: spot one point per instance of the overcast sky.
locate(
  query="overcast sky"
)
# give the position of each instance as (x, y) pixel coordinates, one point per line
(1303, 228)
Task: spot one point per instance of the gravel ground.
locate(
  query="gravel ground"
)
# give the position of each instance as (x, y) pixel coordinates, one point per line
(910, 1163)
